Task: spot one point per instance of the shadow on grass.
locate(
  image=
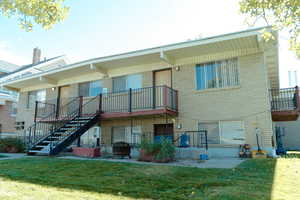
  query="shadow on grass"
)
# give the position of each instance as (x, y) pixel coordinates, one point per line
(251, 180)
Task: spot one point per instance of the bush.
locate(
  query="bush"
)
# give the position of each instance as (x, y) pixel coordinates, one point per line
(166, 151)
(11, 145)
(160, 152)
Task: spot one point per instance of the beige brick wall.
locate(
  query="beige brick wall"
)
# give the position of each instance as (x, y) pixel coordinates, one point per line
(247, 102)
(24, 114)
(7, 121)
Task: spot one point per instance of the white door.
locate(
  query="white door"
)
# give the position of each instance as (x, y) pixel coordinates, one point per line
(232, 132)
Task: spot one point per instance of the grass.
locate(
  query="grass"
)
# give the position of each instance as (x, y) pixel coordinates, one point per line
(54, 178)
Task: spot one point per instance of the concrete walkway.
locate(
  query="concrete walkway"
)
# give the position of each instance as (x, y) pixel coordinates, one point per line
(9, 156)
(211, 163)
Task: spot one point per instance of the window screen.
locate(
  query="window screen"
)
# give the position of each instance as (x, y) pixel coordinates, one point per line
(219, 74)
(213, 133)
(92, 88)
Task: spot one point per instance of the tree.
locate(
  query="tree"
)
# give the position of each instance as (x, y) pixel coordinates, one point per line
(42, 12)
(282, 14)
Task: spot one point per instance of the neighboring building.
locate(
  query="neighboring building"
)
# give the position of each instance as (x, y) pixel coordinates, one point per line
(219, 84)
(290, 74)
(9, 96)
(8, 103)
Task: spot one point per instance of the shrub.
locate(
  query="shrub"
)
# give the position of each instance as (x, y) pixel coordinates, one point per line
(163, 151)
(11, 145)
(149, 147)
(166, 151)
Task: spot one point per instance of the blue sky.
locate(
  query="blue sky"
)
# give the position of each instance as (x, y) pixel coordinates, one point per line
(97, 28)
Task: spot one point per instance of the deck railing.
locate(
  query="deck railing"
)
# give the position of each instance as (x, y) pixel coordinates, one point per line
(285, 99)
(132, 100)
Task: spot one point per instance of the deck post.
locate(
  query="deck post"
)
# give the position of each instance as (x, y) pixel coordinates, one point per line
(35, 110)
(57, 108)
(129, 100)
(165, 96)
(80, 105)
(153, 97)
(297, 98)
(100, 103)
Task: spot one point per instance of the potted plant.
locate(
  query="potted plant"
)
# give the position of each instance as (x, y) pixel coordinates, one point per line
(148, 150)
(163, 151)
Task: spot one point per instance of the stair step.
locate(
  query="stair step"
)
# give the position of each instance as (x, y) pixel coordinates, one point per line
(37, 151)
(73, 125)
(41, 146)
(84, 118)
(79, 121)
(67, 129)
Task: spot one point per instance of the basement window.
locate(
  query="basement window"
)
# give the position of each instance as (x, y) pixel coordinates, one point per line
(224, 132)
(218, 74)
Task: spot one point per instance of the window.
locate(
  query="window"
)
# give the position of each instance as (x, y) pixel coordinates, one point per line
(293, 79)
(124, 134)
(219, 74)
(33, 96)
(224, 132)
(92, 88)
(13, 109)
(123, 83)
(212, 128)
(232, 132)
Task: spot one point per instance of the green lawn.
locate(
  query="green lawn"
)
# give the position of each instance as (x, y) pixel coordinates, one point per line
(54, 178)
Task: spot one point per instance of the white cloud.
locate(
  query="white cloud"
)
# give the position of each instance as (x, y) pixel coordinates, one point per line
(8, 55)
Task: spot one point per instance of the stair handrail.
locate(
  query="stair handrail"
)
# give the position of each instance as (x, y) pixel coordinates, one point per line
(74, 115)
(31, 140)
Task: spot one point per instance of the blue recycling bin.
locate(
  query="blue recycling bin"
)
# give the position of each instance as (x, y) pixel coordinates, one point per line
(159, 138)
(203, 157)
(184, 140)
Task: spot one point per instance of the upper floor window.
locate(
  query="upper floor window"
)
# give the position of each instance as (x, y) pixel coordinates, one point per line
(218, 74)
(123, 83)
(33, 96)
(293, 79)
(13, 109)
(92, 88)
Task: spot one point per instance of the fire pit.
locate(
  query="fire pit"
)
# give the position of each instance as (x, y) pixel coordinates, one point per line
(121, 149)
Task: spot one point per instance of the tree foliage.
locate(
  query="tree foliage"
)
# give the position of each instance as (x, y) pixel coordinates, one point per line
(42, 12)
(282, 14)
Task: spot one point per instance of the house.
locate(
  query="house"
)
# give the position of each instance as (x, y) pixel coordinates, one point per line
(8, 104)
(215, 90)
(9, 98)
(290, 134)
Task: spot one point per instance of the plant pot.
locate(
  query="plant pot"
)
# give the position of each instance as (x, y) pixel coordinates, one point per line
(164, 160)
(86, 152)
(11, 149)
(146, 157)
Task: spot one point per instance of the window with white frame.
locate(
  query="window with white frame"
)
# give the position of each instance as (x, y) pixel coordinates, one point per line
(293, 79)
(13, 109)
(92, 88)
(224, 132)
(218, 74)
(131, 135)
(33, 96)
(123, 83)
(213, 133)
